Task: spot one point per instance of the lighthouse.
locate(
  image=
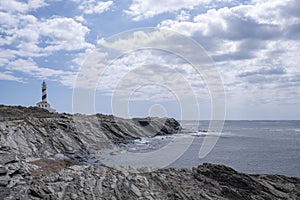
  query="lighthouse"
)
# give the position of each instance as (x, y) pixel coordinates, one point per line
(44, 104)
(44, 93)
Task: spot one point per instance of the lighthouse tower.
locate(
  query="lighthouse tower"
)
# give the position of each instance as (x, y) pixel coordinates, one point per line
(44, 104)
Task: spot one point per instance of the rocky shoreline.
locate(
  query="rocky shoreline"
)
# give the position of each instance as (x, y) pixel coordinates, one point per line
(35, 132)
(42, 156)
(207, 181)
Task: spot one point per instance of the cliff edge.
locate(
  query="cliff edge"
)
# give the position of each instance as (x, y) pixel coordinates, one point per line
(35, 132)
(42, 156)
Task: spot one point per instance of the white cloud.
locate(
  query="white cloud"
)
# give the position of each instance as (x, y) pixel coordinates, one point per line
(33, 37)
(64, 34)
(30, 37)
(34, 4)
(94, 6)
(144, 9)
(13, 6)
(245, 28)
(30, 67)
(21, 7)
(68, 80)
(137, 68)
(141, 38)
(6, 55)
(258, 40)
(7, 76)
(81, 57)
(7, 19)
(183, 16)
(80, 18)
(26, 35)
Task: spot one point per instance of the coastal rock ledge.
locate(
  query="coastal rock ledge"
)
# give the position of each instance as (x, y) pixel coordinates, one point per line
(207, 181)
(44, 156)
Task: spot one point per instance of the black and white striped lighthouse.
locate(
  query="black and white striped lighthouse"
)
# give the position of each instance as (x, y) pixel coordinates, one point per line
(44, 92)
(44, 104)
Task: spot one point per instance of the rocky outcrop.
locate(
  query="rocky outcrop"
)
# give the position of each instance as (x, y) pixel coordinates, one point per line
(42, 156)
(35, 132)
(206, 181)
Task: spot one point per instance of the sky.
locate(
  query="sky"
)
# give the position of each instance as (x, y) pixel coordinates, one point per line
(254, 46)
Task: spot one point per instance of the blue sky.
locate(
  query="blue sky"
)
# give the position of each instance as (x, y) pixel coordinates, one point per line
(254, 45)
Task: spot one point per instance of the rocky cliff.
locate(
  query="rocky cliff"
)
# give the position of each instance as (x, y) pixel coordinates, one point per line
(35, 132)
(42, 156)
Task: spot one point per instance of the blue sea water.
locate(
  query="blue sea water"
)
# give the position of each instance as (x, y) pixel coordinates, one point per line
(267, 147)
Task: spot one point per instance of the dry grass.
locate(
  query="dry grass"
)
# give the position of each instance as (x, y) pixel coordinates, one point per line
(48, 166)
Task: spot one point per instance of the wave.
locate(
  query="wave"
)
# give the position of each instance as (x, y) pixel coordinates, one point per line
(204, 133)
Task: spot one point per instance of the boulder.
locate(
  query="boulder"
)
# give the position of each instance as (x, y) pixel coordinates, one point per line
(3, 170)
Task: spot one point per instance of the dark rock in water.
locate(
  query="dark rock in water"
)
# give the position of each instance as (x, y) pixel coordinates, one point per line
(46, 155)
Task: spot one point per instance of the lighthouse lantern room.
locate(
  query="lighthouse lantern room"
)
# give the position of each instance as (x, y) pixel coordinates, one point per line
(44, 104)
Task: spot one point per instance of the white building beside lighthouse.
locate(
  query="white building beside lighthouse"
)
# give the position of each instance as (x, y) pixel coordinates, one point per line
(44, 104)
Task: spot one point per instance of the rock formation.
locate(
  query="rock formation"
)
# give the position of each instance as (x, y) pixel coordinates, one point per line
(42, 156)
(35, 132)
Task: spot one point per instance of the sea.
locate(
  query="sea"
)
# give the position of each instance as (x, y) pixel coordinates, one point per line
(256, 147)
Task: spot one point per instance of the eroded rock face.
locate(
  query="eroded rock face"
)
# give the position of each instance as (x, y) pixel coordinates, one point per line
(35, 132)
(42, 154)
(207, 181)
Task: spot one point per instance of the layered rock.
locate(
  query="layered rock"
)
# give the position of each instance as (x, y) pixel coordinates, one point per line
(35, 132)
(42, 156)
(206, 181)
